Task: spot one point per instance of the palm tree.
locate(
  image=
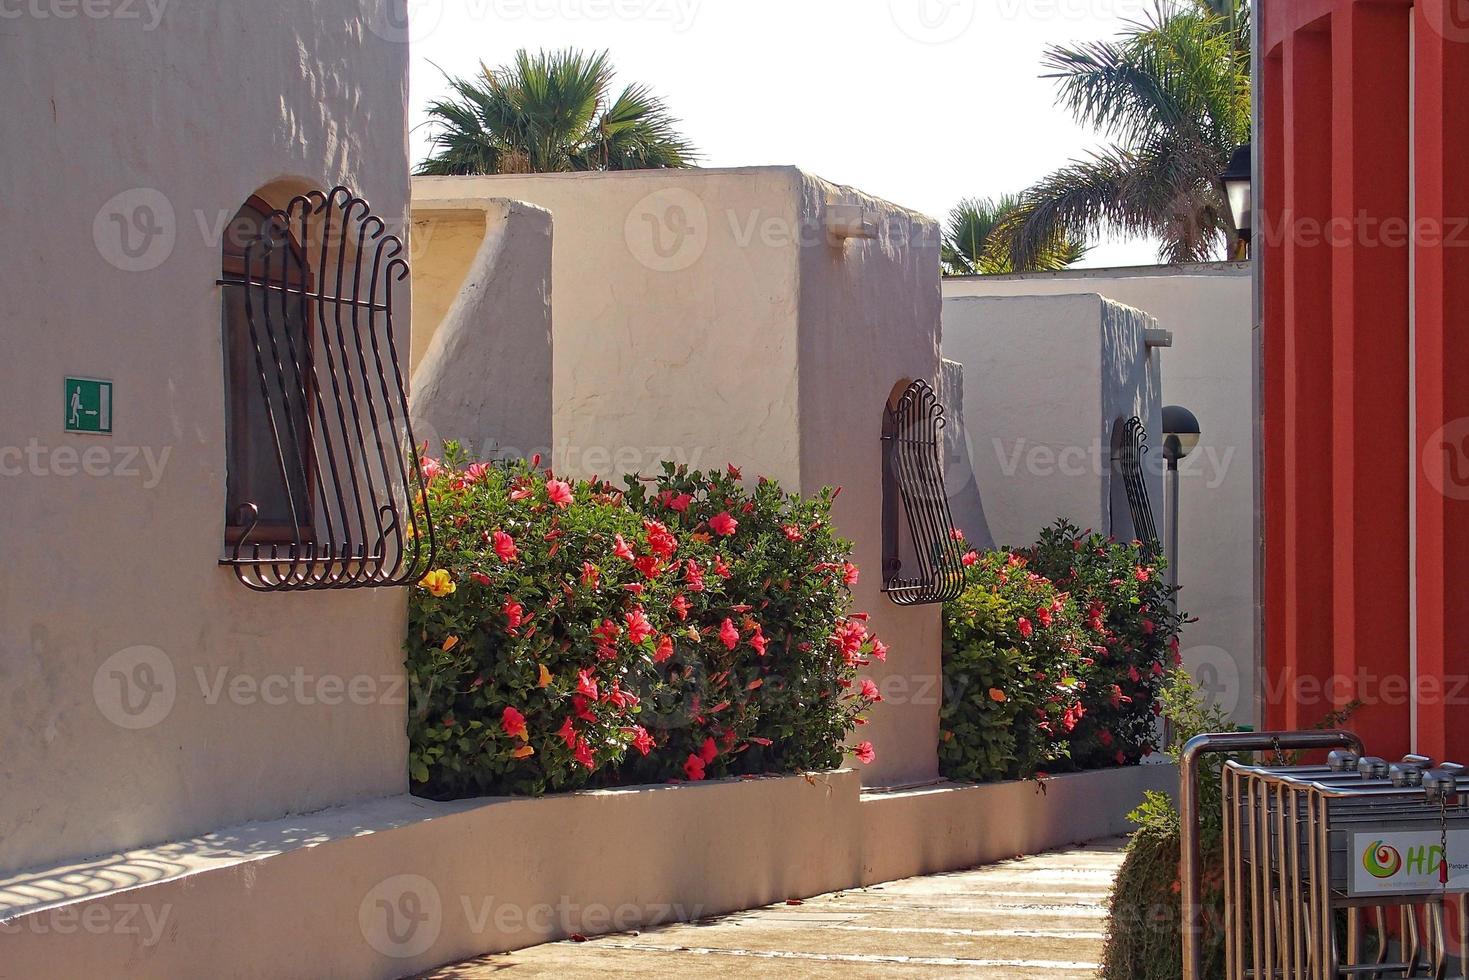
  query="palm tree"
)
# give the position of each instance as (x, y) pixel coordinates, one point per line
(971, 248)
(1173, 93)
(549, 112)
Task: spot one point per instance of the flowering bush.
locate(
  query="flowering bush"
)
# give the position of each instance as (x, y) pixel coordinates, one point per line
(575, 634)
(1053, 658)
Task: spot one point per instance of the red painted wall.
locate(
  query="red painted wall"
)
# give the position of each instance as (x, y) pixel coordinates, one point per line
(1364, 121)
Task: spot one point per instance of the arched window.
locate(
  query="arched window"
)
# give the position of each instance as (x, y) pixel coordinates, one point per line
(922, 562)
(268, 433)
(323, 487)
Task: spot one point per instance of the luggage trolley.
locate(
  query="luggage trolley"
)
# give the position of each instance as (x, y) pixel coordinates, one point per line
(1310, 850)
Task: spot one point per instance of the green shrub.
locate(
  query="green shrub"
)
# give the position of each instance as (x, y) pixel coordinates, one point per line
(1054, 656)
(1127, 605)
(574, 634)
(1011, 653)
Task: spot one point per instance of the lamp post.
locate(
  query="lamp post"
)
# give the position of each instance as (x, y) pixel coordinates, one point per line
(1238, 187)
(1180, 436)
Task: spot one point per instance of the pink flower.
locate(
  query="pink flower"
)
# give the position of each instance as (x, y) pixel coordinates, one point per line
(728, 634)
(476, 473)
(560, 492)
(504, 546)
(693, 768)
(675, 501)
(694, 575)
(970, 557)
(620, 548)
(723, 525)
(956, 534)
(1141, 574)
(792, 532)
(850, 573)
(759, 642)
(641, 740)
(864, 753)
(431, 468)
(870, 691)
(720, 568)
(879, 650)
(589, 575)
(638, 627)
(514, 723)
(660, 540)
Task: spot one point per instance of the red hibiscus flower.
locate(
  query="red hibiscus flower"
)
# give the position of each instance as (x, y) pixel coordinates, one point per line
(693, 768)
(675, 501)
(590, 576)
(660, 540)
(586, 684)
(647, 565)
(694, 575)
(664, 651)
(720, 568)
(681, 606)
(870, 691)
(514, 612)
(759, 642)
(504, 546)
(970, 557)
(583, 753)
(514, 723)
(879, 650)
(723, 525)
(641, 740)
(430, 467)
(850, 573)
(567, 731)
(475, 473)
(638, 627)
(1043, 614)
(480, 578)
(728, 634)
(734, 472)
(792, 532)
(560, 492)
(708, 751)
(1141, 574)
(620, 548)
(864, 753)
(1023, 625)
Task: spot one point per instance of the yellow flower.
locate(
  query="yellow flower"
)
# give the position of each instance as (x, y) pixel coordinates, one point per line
(450, 643)
(524, 752)
(545, 679)
(438, 583)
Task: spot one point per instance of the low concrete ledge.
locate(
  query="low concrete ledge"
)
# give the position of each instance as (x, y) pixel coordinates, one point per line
(401, 885)
(960, 825)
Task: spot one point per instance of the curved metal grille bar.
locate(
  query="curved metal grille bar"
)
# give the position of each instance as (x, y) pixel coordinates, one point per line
(336, 402)
(1130, 466)
(912, 448)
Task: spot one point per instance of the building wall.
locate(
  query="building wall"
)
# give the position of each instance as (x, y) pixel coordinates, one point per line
(1208, 369)
(125, 146)
(675, 313)
(1364, 281)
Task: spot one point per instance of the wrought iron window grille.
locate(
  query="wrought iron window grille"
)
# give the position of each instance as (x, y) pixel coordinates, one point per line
(912, 472)
(344, 475)
(1128, 465)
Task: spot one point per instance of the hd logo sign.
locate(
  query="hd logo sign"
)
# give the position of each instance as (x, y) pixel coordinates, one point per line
(1394, 862)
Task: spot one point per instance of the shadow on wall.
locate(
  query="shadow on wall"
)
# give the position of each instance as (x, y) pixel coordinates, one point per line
(965, 502)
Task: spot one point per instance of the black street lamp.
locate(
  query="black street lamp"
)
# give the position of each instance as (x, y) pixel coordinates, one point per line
(1180, 437)
(1238, 186)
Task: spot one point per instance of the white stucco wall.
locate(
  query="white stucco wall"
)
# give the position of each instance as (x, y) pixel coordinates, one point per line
(1045, 379)
(482, 328)
(125, 145)
(709, 317)
(1208, 368)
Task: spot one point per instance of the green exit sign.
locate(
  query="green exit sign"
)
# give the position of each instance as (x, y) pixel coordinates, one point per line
(88, 405)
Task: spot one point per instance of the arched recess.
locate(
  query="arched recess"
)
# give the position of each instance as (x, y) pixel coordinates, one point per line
(922, 560)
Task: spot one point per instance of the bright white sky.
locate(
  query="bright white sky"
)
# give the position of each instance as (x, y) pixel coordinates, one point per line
(922, 102)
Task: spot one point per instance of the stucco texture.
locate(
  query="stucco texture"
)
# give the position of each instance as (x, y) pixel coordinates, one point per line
(125, 148)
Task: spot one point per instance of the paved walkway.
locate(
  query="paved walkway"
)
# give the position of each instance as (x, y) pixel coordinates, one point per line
(1032, 917)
